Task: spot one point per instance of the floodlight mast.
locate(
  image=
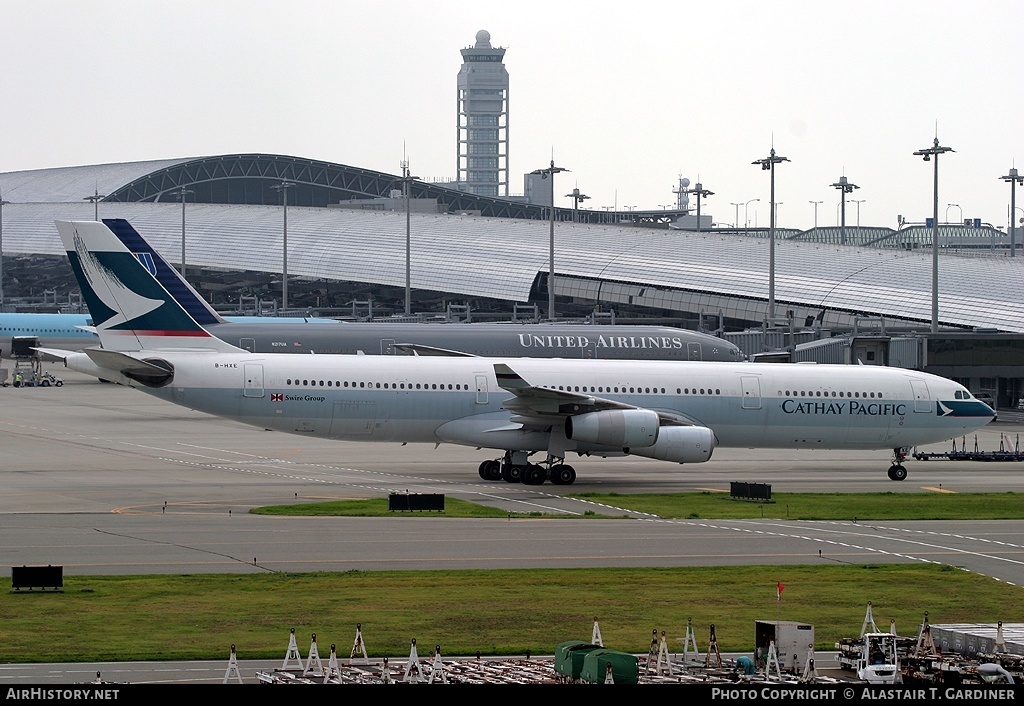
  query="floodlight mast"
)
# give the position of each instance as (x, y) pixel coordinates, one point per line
(768, 164)
(283, 188)
(845, 187)
(701, 192)
(549, 173)
(181, 194)
(407, 180)
(576, 197)
(934, 151)
(1013, 178)
(95, 198)
(2, 204)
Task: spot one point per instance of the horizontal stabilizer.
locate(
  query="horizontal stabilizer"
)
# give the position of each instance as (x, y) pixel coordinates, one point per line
(126, 365)
(54, 352)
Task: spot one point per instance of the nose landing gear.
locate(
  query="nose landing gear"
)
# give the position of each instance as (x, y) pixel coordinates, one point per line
(896, 470)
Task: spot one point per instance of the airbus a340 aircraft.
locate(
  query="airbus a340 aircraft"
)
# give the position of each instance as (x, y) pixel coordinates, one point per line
(675, 411)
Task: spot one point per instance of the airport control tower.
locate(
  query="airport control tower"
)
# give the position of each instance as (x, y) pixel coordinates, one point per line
(483, 119)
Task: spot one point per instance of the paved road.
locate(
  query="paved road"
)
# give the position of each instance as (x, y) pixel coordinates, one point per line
(102, 479)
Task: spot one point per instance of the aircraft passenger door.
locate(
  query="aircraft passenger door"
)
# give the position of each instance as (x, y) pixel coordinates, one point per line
(693, 351)
(247, 344)
(481, 388)
(751, 388)
(922, 400)
(253, 373)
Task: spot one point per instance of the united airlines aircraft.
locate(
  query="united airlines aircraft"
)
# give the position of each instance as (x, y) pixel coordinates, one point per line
(298, 335)
(674, 411)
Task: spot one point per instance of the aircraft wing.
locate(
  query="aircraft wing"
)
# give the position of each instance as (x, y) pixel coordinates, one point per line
(420, 349)
(544, 405)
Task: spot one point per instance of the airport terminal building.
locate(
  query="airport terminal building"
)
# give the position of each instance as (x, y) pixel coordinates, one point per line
(356, 247)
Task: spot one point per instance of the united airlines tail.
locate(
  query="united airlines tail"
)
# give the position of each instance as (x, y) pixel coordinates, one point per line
(131, 310)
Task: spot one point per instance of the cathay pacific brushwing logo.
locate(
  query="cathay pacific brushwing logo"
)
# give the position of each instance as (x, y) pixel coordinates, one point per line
(110, 290)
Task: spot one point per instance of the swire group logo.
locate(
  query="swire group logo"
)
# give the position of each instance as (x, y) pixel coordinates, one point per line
(276, 397)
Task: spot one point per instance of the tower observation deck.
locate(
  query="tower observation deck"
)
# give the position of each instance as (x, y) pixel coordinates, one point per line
(483, 119)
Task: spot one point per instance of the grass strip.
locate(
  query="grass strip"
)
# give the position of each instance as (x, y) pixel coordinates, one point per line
(497, 612)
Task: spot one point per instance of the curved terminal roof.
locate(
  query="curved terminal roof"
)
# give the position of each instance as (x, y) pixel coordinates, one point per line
(506, 257)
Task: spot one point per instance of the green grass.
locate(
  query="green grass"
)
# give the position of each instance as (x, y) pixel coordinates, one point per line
(116, 618)
(378, 507)
(824, 506)
(704, 505)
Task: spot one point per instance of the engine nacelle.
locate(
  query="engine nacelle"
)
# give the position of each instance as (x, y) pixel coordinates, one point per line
(621, 428)
(680, 445)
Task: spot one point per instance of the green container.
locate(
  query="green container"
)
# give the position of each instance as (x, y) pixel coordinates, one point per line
(569, 657)
(625, 667)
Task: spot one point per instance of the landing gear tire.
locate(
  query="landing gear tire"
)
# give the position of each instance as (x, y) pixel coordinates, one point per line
(490, 470)
(897, 472)
(512, 474)
(534, 475)
(562, 474)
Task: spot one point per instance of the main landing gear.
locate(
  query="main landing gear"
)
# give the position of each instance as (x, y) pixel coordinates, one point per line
(514, 467)
(896, 470)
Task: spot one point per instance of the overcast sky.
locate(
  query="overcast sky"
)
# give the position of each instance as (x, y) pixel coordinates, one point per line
(628, 96)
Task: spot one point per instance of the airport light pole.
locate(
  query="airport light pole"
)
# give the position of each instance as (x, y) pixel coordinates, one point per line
(549, 173)
(700, 191)
(2, 204)
(858, 202)
(182, 193)
(736, 221)
(957, 206)
(283, 188)
(407, 179)
(768, 164)
(845, 187)
(746, 215)
(816, 211)
(927, 154)
(1013, 179)
(95, 198)
(576, 197)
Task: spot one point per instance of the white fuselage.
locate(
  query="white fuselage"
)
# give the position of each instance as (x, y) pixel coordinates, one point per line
(458, 400)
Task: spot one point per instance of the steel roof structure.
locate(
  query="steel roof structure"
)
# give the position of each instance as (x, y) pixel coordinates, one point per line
(501, 251)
